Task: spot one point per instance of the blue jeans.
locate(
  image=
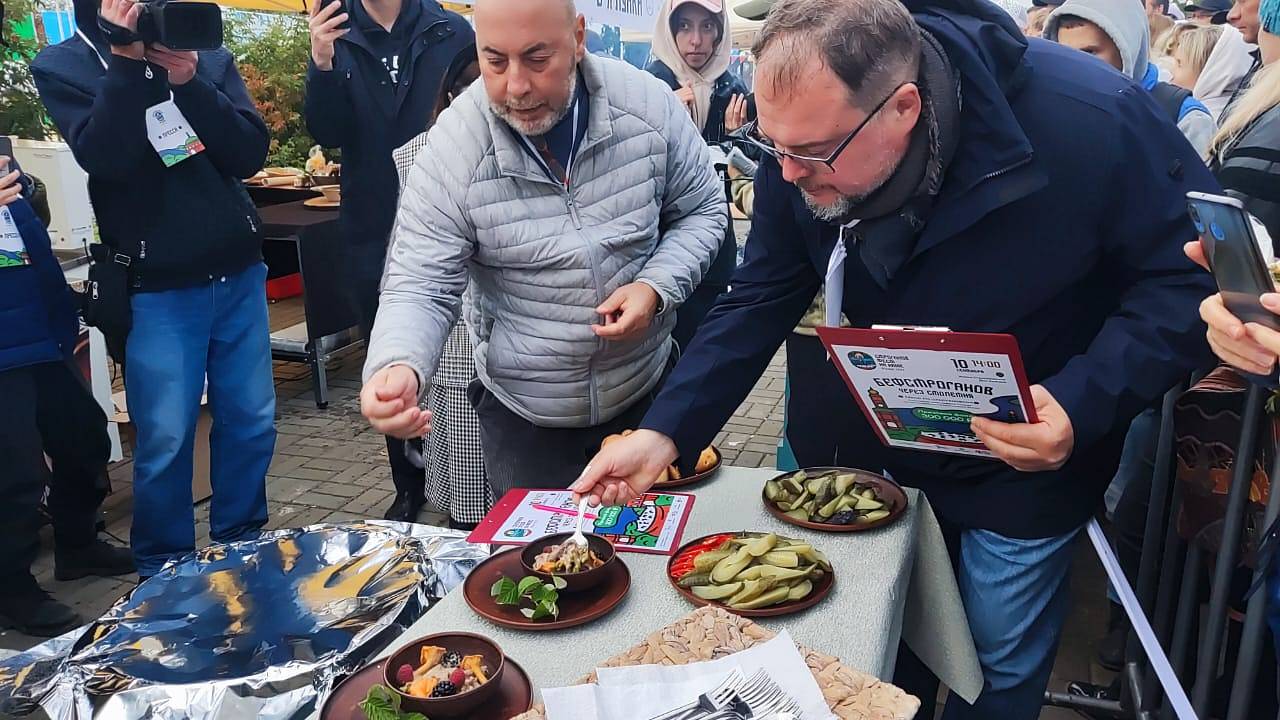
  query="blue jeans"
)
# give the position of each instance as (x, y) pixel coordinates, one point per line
(179, 338)
(1015, 593)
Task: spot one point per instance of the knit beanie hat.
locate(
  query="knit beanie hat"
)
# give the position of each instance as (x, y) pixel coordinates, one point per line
(1269, 11)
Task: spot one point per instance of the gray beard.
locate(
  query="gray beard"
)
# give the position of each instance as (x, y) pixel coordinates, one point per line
(832, 211)
(842, 206)
(541, 127)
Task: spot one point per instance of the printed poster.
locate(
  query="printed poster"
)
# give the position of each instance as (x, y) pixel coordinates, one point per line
(651, 524)
(919, 396)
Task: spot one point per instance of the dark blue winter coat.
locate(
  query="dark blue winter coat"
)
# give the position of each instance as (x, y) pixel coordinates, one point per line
(355, 107)
(1061, 220)
(38, 322)
(192, 221)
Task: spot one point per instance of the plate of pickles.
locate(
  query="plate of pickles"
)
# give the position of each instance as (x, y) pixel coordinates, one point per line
(834, 499)
(752, 574)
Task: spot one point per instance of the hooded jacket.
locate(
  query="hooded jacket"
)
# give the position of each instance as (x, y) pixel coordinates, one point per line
(37, 311)
(642, 204)
(1229, 63)
(1060, 220)
(1126, 24)
(143, 208)
(356, 107)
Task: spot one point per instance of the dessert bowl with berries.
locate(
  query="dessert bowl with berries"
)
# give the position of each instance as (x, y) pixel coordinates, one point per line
(445, 675)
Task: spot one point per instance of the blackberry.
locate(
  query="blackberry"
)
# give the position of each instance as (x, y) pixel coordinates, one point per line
(444, 688)
(451, 660)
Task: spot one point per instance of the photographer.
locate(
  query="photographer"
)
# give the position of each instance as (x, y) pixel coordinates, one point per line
(47, 411)
(165, 136)
(379, 69)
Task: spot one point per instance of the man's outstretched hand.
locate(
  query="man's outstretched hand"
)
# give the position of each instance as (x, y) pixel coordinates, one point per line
(624, 469)
(390, 402)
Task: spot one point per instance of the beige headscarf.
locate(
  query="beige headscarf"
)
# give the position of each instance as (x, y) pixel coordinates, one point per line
(664, 49)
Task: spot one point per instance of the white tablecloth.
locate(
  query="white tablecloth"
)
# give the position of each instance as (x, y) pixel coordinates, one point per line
(891, 582)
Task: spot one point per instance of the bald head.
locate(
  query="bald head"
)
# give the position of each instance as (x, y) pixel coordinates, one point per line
(529, 55)
(565, 7)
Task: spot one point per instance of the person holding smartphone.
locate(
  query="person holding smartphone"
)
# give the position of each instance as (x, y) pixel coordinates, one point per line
(691, 50)
(1249, 135)
(379, 69)
(48, 411)
(180, 261)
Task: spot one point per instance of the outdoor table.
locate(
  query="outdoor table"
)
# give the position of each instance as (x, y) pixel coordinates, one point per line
(891, 582)
(331, 317)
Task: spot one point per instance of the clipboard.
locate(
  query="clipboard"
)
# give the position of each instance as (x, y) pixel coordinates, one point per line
(919, 387)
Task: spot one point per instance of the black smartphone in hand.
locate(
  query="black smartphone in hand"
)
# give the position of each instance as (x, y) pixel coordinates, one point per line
(1234, 256)
(6, 150)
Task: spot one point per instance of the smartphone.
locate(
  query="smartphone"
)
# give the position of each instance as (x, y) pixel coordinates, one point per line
(6, 149)
(1232, 250)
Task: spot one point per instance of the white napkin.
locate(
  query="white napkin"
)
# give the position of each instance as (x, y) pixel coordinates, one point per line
(642, 691)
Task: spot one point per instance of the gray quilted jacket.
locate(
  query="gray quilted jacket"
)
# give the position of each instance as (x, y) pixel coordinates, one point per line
(644, 204)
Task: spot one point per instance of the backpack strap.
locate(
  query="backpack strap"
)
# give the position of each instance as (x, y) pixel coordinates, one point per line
(1170, 97)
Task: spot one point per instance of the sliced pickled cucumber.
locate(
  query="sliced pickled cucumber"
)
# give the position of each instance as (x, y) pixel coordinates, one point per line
(752, 589)
(763, 600)
(799, 514)
(728, 568)
(763, 545)
(773, 490)
(829, 509)
(822, 560)
(865, 504)
(716, 592)
(706, 562)
(800, 590)
(781, 559)
(818, 482)
(844, 482)
(793, 484)
(874, 515)
(694, 578)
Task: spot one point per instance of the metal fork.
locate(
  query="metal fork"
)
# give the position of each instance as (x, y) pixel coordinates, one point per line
(713, 700)
(765, 697)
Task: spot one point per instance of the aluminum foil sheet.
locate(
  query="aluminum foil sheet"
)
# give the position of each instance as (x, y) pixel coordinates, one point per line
(255, 629)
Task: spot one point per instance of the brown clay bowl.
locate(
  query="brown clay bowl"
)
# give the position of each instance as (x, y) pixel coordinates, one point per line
(574, 582)
(454, 705)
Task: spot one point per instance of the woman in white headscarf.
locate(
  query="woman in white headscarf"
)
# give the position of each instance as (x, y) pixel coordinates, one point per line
(691, 54)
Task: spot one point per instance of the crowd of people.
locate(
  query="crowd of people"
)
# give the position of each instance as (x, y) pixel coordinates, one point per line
(544, 257)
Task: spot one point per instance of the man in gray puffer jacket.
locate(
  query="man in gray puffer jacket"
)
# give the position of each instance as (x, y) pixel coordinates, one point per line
(580, 200)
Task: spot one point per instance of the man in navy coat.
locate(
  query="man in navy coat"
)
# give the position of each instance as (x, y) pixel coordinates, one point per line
(378, 74)
(981, 182)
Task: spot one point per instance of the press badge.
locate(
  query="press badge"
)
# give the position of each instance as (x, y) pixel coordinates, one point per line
(13, 251)
(170, 133)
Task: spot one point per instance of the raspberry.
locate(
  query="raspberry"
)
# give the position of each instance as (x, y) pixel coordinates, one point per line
(458, 677)
(404, 675)
(451, 660)
(444, 689)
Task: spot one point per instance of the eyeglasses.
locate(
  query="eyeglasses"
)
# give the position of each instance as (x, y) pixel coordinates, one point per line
(751, 133)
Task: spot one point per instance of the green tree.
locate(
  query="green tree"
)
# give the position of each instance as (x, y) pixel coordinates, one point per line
(272, 52)
(21, 112)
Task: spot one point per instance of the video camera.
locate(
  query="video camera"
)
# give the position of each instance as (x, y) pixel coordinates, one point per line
(176, 25)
